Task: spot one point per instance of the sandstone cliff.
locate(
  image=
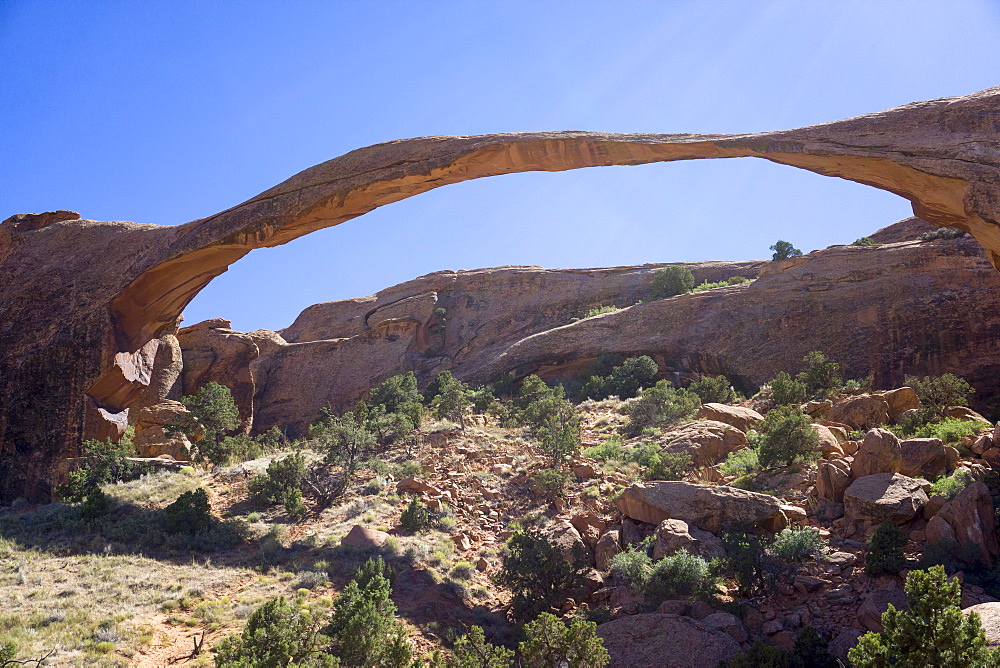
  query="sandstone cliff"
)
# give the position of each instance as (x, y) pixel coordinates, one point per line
(84, 303)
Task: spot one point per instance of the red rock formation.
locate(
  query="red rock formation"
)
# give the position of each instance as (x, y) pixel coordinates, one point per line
(77, 345)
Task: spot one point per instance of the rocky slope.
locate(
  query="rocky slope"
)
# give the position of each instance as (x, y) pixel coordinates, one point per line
(912, 307)
(85, 302)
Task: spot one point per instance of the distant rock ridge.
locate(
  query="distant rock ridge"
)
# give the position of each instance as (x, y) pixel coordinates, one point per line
(84, 302)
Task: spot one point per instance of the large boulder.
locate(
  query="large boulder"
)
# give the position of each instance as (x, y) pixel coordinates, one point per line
(968, 520)
(740, 417)
(879, 452)
(923, 458)
(966, 413)
(656, 640)
(152, 440)
(708, 442)
(877, 602)
(861, 412)
(673, 535)
(900, 400)
(709, 507)
(833, 477)
(884, 496)
(828, 444)
(568, 539)
(989, 615)
(607, 547)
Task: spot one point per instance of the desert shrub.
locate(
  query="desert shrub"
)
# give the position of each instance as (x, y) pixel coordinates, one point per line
(97, 505)
(363, 629)
(190, 513)
(885, 551)
(211, 413)
(596, 311)
(107, 463)
(281, 484)
(733, 280)
(415, 517)
(680, 575)
(788, 436)
(397, 394)
(473, 651)
(553, 643)
(628, 377)
(670, 281)
(863, 241)
(950, 486)
(550, 418)
(933, 632)
(796, 545)
(453, 399)
(483, 400)
(344, 442)
(538, 573)
(278, 633)
(943, 233)
(748, 562)
(821, 376)
(550, 483)
(660, 406)
(713, 389)
(786, 390)
(741, 462)
(784, 250)
(609, 448)
(950, 430)
(941, 392)
(632, 567)
(668, 466)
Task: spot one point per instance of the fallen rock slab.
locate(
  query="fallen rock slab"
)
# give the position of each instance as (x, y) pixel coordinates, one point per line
(740, 417)
(709, 507)
(884, 496)
(653, 640)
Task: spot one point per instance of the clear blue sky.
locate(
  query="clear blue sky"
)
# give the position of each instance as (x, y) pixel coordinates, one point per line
(163, 112)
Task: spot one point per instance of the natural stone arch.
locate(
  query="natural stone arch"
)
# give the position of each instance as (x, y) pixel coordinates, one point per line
(83, 302)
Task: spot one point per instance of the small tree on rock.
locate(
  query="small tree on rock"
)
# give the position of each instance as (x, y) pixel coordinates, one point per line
(670, 281)
(784, 250)
(938, 394)
(789, 436)
(211, 413)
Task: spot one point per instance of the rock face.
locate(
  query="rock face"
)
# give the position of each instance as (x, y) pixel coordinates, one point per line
(884, 496)
(665, 641)
(968, 520)
(989, 615)
(708, 507)
(77, 346)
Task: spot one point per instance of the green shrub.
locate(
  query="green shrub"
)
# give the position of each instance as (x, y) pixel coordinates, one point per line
(670, 281)
(632, 567)
(788, 436)
(940, 393)
(190, 513)
(550, 418)
(734, 280)
(950, 486)
(278, 633)
(796, 545)
(863, 241)
(885, 551)
(107, 463)
(363, 628)
(956, 557)
(821, 376)
(660, 406)
(473, 651)
(748, 562)
(550, 483)
(713, 389)
(680, 575)
(933, 632)
(344, 441)
(554, 643)
(211, 413)
(943, 233)
(599, 310)
(628, 377)
(609, 448)
(784, 250)
(538, 573)
(415, 517)
(950, 430)
(741, 462)
(668, 466)
(809, 651)
(281, 484)
(786, 390)
(97, 505)
(453, 400)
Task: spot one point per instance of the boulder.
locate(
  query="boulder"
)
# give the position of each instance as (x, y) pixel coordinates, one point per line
(708, 507)
(989, 615)
(968, 519)
(900, 400)
(966, 413)
(877, 602)
(833, 477)
(740, 417)
(992, 458)
(923, 458)
(982, 444)
(607, 547)
(829, 444)
(816, 409)
(152, 440)
(861, 412)
(672, 535)
(879, 452)
(653, 640)
(708, 442)
(360, 536)
(728, 623)
(568, 539)
(884, 496)
(844, 641)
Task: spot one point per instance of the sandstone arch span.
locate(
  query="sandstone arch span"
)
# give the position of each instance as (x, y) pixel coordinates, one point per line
(82, 302)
